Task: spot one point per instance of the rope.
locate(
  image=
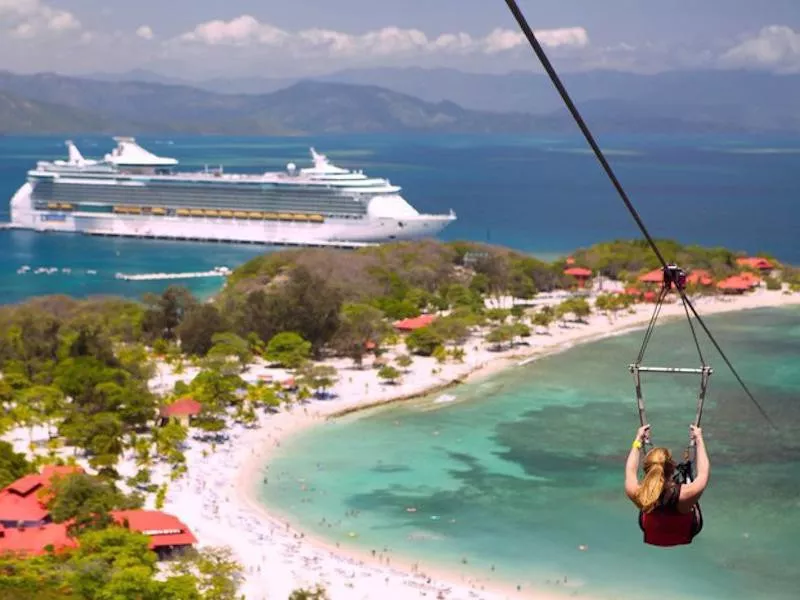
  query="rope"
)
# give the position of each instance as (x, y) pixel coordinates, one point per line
(651, 326)
(694, 333)
(562, 91)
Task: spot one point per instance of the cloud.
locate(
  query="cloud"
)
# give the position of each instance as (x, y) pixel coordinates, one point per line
(776, 47)
(25, 19)
(246, 30)
(241, 31)
(145, 32)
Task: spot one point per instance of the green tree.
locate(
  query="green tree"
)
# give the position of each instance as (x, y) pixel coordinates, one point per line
(169, 440)
(498, 315)
(263, 395)
(319, 377)
(13, 465)
(316, 593)
(520, 330)
(453, 329)
(198, 328)
(389, 374)
(288, 349)
(423, 341)
(86, 500)
(543, 317)
(216, 391)
(135, 359)
(360, 324)
(501, 335)
(457, 354)
(229, 344)
(163, 314)
(217, 574)
(404, 361)
(440, 354)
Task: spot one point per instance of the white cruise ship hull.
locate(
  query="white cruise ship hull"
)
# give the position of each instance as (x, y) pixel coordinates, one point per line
(333, 231)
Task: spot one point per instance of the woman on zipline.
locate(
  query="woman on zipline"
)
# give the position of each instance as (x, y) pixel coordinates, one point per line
(669, 510)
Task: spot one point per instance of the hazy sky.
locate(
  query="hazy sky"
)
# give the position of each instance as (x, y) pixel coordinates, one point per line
(194, 38)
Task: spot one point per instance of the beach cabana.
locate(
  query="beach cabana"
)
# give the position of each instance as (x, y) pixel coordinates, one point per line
(183, 410)
(699, 277)
(414, 323)
(580, 274)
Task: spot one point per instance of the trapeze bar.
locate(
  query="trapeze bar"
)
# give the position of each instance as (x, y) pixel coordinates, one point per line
(699, 371)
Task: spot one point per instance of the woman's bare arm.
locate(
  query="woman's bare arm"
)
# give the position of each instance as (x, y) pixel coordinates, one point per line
(632, 464)
(632, 472)
(691, 492)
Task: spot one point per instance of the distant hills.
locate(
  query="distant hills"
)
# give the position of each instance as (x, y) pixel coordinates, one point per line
(398, 100)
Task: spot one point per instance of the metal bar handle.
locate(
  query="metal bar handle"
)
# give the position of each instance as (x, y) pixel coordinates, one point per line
(640, 400)
(679, 370)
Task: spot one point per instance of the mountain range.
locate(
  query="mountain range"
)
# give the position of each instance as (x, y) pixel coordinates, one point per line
(398, 100)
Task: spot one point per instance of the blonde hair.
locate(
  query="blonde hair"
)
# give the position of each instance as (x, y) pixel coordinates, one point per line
(658, 466)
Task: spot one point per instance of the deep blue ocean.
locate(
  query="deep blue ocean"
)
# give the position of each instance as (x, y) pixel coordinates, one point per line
(545, 195)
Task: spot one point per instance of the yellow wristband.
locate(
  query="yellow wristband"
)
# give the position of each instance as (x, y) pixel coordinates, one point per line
(636, 444)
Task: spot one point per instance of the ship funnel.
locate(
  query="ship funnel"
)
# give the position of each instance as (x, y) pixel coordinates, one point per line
(75, 156)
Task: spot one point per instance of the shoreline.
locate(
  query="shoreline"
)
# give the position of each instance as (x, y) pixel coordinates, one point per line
(248, 476)
(218, 497)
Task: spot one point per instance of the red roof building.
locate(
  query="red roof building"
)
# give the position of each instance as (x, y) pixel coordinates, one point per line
(24, 527)
(166, 532)
(632, 291)
(580, 274)
(414, 323)
(735, 285)
(34, 541)
(185, 407)
(750, 278)
(183, 410)
(699, 277)
(755, 262)
(656, 276)
(23, 501)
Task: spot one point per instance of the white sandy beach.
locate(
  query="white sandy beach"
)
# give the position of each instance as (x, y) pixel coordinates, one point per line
(217, 498)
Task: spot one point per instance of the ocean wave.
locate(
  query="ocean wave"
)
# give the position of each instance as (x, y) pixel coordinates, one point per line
(757, 150)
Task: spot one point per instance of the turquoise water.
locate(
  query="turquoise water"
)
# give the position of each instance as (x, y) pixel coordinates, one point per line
(525, 467)
(541, 194)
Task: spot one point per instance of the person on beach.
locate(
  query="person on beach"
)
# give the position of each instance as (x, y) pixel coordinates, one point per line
(669, 510)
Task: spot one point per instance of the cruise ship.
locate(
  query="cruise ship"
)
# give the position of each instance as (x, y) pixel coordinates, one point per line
(132, 192)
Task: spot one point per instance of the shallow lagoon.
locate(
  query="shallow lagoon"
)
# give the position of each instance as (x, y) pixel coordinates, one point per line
(525, 467)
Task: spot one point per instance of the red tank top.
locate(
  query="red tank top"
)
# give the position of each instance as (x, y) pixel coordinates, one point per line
(665, 526)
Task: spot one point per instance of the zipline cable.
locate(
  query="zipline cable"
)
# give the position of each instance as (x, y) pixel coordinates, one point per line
(576, 115)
